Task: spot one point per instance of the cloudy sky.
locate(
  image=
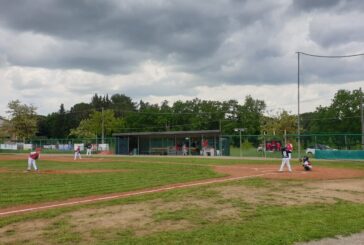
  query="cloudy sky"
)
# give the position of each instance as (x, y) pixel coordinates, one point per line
(54, 52)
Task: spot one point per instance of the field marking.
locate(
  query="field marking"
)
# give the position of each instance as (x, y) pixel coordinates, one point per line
(124, 195)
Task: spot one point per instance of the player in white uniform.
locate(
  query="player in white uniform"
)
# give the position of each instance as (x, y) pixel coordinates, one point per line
(285, 160)
(77, 153)
(88, 150)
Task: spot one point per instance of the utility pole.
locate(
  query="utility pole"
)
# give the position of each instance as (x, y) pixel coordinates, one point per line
(298, 80)
(362, 118)
(240, 130)
(240, 142)
(102, 125)
(265, 145)
(298, 107)
(220, 139)
(285, 137)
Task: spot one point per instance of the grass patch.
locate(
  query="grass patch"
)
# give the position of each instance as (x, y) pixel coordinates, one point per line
(270, 225)
(190, 214)
(17, 187)
(61, 232)
(200, 206)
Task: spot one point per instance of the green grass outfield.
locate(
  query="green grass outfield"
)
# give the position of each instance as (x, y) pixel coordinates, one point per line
(213, 214)
(20, 187)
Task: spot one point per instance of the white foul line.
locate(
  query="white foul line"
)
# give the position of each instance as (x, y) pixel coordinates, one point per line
(128, 194)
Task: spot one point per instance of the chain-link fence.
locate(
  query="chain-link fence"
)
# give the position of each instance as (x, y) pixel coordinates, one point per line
(96, 145)
(265, 146)
(270, 145)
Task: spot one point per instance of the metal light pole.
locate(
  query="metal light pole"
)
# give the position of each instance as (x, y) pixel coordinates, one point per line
(298, 84)
(362, 118)
(265, 145)
(240, 130)
(102, 125)
(298, 105)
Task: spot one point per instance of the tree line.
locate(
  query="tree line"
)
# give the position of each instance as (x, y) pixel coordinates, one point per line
(119, 113)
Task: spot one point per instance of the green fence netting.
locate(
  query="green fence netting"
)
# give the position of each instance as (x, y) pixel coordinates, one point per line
(339, 154)
(344, 146)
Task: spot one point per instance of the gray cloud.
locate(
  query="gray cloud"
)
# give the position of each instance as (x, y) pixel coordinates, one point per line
(327, 5)
(230, 42)
(309, 5)
(151, 31)
(336, 30)
(114, 36)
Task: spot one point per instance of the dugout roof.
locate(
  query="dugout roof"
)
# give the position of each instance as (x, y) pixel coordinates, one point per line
(171, 133)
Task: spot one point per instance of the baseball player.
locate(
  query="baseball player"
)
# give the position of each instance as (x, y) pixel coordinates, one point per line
(77, 153)
(89, 150)
(306, 163)
(33, 156)
(289, 149)
(285, 160)
(184, 150)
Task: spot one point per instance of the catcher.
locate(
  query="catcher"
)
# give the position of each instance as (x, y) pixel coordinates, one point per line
(306, 163)
(33, 156)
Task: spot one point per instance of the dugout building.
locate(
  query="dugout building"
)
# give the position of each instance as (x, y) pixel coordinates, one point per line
(201, 142)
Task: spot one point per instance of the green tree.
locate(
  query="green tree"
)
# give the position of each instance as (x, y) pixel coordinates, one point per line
(250, 115)
(5, 129)
(77, 113)
(122, 104)
(23, 119)
(229, 120)
(146, 119)
(342, 116)
(60, 129)
(280, 123)
(92, 126)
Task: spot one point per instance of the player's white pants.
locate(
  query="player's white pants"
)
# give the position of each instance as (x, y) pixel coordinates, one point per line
(31, 162)
(285, 161)
(88, 152)
(77, 154)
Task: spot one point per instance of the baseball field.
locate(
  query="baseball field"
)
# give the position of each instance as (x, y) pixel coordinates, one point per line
(165, 200)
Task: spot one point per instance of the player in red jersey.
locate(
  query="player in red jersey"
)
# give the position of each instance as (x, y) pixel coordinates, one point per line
(289, 148)
(33, 156)
(77, 153)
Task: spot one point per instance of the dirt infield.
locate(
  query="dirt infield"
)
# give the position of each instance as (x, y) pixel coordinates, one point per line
(234, 172)
(297, 173)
